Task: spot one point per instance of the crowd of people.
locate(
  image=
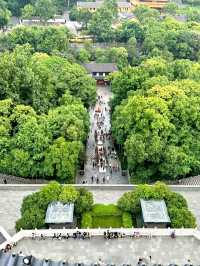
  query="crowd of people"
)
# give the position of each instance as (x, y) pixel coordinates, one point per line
(59, 236)
(104, 160)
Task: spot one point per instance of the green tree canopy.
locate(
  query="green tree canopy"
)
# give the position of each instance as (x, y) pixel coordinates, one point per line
(156, 130)
(35, 79)
(176, 204)
(42, 39)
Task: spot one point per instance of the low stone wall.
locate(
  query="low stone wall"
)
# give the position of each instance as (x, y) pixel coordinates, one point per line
(140, 232)
(5, 234)
(34, 187)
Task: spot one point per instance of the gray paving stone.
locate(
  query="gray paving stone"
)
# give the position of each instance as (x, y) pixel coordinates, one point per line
(115, 177)
(118, 251)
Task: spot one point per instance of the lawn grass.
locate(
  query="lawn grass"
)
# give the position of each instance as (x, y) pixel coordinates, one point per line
(107, 222)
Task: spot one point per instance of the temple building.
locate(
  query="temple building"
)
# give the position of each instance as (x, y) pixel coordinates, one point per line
(100, 71)
(157, 4)
(123, 6)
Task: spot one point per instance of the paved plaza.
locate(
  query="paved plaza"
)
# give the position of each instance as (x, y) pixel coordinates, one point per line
(10, 203)
(110, 176)
(163, 250)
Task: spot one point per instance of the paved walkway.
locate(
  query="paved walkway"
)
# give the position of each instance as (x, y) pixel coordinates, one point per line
(106, 169)
(163, 250)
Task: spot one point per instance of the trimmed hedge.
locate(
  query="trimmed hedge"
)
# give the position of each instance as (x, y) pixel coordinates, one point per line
(127, 221)
(86, 221)
(106, 216)
(107, 221)
(99, 210)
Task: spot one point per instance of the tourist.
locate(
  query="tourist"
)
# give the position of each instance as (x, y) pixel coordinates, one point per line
(107, 178)
(173, 234)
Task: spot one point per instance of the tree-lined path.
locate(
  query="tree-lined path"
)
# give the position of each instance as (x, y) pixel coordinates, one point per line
(102, 164)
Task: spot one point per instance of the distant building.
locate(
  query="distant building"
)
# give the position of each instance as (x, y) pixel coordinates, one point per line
(123, 6)
(154, 213)
(59, 215)
(157, 4)
(100, 71)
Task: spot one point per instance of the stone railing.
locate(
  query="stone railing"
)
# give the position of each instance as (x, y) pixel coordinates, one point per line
(5, 234)
(140, 232)
(34, 187)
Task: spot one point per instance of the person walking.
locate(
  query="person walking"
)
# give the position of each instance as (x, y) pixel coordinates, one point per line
(107, 178)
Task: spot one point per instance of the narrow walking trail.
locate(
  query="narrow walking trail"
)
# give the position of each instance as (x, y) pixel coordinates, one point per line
(102, 164)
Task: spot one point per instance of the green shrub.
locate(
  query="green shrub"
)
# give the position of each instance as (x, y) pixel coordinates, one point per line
(51, 192)
(68, 194)
(176, 200)
(84, 202)
(86, 221)
(182, 218)
(127, 220)
(177, 205)
(31, 219)
(99, 210)
(34, 206)
(125, 203)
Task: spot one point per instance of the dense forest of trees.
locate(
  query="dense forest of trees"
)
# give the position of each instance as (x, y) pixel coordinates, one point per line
(155, 119)
(44, 120)
(43, 91)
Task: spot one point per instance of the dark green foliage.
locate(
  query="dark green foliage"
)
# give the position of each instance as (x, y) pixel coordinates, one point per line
(42, 39)
(177, 206)
(15, 6)
(5, 14)
(34, 206)
(40, 145)
(81, 15)
(35, 79)
(153, 125)
(84, 201)
(182, 218)
(86, 221)
(100, 24)
(127, 220)
(176, 200)
(32, 218)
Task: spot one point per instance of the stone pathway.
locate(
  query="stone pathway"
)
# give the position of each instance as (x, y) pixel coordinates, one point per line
(108, 172)
(163, 250)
